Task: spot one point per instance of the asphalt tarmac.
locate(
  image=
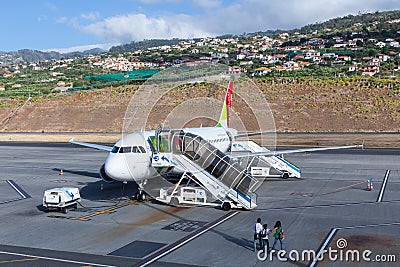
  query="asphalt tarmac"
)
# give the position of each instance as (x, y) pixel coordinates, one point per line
(327, 209)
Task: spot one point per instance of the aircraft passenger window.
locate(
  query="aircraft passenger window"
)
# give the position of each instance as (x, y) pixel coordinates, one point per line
(115, 149)
(142, 149)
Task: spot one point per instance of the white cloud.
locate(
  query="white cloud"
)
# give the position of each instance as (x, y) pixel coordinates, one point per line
(259, 15)
(81, 48)
(237, 17)
(151, 2)
(207, 4)
(42, 18)
(62, 20)
(50, 6)
(91, 16)
(138, 27)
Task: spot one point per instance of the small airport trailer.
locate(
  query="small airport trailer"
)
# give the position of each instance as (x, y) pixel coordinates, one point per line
(61, 199)
(260, 171)
(188, 195)
(183, 195)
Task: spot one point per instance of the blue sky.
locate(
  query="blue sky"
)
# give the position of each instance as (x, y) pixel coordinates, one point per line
(82, 24)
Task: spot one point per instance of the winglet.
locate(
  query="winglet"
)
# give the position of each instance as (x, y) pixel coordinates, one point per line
(224, 117)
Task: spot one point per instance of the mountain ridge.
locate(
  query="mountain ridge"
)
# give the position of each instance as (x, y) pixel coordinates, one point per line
(336, 25)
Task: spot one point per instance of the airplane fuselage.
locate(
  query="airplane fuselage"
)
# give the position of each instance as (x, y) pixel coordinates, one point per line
(130, 158)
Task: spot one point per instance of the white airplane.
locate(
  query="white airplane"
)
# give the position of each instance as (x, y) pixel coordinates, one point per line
(130, 159)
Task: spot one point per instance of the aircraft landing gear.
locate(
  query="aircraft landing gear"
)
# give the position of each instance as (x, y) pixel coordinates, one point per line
(140, 196)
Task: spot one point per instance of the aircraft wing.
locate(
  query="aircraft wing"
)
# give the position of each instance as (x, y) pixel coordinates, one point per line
(100, 147)
(290, 151)
(239, 135)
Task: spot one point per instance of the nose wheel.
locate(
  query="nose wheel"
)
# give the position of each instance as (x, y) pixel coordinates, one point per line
(140, 196)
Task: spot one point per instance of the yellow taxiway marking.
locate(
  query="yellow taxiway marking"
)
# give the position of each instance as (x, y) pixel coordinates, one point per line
(22, 260)
(105, 211)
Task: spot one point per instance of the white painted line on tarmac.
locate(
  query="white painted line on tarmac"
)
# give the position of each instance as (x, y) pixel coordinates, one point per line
(184, 241)
(19, 190)
(15, 188)
(321, 250)
(328, 205)
(369, 225)
(9, 201)
(383, 187)
(54, 259)
(332, 234)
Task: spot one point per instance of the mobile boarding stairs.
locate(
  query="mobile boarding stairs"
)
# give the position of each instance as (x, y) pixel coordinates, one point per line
(285, 168)
(214, 173)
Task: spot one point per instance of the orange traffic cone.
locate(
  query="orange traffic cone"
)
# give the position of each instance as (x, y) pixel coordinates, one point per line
(61, 172)
(370, 186)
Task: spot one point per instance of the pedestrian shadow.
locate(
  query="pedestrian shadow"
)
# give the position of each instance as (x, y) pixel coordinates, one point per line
(243, 242)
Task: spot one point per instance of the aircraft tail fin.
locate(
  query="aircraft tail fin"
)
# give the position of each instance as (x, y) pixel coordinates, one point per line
(224, 117)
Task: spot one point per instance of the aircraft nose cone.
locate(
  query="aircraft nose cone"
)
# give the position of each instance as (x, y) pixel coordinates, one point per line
(116, 168)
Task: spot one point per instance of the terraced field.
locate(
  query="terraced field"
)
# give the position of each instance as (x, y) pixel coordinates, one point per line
(298, 105)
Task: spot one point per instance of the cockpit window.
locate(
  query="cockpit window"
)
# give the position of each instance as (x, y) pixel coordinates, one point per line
(128, 149)
(138, 149)
(125, 149)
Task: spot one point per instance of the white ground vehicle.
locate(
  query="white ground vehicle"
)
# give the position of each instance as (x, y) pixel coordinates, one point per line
(61, 199)
(183, 195)
(259, 171)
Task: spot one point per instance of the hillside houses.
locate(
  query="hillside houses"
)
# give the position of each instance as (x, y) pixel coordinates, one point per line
(369, 70)
(260, 55)
(324, 52)
(122, 63)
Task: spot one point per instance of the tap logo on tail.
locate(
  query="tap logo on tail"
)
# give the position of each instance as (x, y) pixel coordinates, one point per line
(224, 118)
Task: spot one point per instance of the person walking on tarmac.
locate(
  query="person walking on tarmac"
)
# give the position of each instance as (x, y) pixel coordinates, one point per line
(264, 236)
(278, 235)
(257, 234)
